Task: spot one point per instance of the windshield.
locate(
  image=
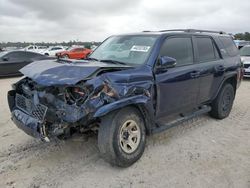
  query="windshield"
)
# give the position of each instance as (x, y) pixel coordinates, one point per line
(245, 51)
(130, 49)
(2, 54)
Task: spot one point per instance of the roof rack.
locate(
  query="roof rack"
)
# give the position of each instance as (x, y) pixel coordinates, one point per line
(194, 31)
(190, 31)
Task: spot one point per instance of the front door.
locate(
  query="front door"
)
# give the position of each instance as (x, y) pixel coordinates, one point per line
(177, 88)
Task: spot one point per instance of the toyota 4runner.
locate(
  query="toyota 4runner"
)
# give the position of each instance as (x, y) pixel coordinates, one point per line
(130, 86)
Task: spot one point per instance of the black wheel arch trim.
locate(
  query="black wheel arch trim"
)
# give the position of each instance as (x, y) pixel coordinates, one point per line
(225, 79)
(140, 102)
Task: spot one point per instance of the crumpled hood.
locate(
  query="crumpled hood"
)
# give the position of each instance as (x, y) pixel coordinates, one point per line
(48, 73)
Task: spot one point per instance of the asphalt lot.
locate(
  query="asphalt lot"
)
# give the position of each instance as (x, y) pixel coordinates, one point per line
(202, 152)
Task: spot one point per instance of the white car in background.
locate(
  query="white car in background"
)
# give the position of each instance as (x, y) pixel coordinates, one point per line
(34, 48)
(31, 48)
(51, 51)
(40, 49)
(245, 59)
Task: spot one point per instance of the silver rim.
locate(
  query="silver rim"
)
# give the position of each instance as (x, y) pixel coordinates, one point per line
(130, 136)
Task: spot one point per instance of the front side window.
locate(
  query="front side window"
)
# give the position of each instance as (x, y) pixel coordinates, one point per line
(180, 49)
(129, 49)
(206, 49)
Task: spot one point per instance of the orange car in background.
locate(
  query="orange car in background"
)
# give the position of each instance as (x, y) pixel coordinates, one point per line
(75, 53)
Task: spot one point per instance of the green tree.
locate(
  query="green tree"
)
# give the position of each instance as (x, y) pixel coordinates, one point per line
(242, 36)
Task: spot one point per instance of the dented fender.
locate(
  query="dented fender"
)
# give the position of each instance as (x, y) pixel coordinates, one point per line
(138, 99)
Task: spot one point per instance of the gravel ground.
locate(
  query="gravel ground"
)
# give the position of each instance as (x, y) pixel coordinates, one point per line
(202, 152)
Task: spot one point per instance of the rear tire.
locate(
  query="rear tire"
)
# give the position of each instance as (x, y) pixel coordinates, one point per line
(122, 137)
(222, 105)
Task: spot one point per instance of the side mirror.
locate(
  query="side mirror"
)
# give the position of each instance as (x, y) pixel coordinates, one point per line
(165, 63)
(5, 59)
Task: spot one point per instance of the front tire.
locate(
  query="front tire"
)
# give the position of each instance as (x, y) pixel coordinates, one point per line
(122, 137)
(222, 105)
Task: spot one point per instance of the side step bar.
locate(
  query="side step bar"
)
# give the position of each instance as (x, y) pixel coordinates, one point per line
(161, 126)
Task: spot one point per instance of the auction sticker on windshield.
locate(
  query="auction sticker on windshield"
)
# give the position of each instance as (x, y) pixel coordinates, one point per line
(136, 48)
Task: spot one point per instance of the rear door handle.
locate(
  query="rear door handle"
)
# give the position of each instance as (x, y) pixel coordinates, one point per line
(220, 68)
(195, 74)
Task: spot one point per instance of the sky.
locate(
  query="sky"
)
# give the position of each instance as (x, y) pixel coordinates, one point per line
(95, 20)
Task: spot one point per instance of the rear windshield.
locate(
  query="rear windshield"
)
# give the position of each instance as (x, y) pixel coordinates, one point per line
(229, 46)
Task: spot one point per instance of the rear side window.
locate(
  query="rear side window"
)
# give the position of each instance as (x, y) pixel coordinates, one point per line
(179, 48)
(78, 49)
(32, 55)
(16, 55)
(229, 46)
(206, 49)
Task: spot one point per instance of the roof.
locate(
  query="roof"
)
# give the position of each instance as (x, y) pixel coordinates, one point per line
(175, 31)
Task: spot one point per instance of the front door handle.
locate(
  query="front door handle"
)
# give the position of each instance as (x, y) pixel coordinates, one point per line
(195, 74)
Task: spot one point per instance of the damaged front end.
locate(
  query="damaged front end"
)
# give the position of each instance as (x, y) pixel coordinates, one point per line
(53, 111)
(58, 110)
(56, 99)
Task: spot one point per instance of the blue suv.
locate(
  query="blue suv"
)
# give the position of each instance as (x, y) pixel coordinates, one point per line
(130, 86)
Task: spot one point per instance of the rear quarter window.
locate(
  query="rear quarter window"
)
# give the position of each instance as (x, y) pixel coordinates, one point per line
(229, 46)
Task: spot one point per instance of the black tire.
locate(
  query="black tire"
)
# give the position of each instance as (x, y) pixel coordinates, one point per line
(109, 137)
(222, 105)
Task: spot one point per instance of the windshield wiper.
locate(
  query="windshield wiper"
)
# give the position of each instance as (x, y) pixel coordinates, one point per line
(91, 58)
(112, 61)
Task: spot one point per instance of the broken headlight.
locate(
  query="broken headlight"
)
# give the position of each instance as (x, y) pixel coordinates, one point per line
(76, 95)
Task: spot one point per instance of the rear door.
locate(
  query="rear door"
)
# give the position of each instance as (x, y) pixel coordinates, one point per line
(177, 88)
(210, 65)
